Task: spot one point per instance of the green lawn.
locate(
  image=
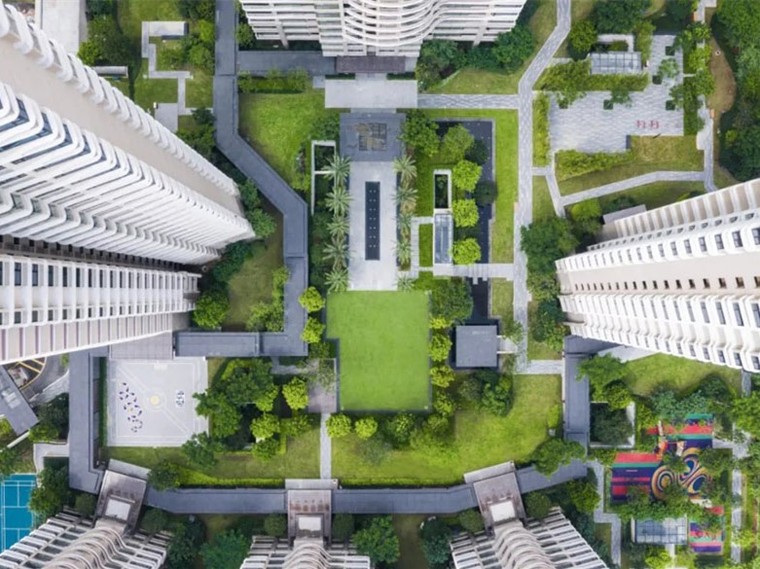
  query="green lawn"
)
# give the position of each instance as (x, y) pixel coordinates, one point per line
(541, 142)
(383, 357)
(133, 12)
(543, 208)
(277, 125)
(426, 245)
(471, 80)
(149, 91)
(199, 93)
(679, 374)
(502, 231)
(657, 194)
(253, 282)
(502, 298)
(301, 460)
(408, 531)
(480, 440)
(538, 350)
(650, 154)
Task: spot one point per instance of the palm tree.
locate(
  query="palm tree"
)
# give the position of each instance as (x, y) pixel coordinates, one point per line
(338, 169)
(338, 201)
(404, 251)
(338, 227)
(406, 169)
(337, 280)
(405, 283)
(405, 194)
(336, 252)
(404, 221)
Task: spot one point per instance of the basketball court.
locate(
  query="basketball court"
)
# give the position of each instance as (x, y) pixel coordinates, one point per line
(150, 404)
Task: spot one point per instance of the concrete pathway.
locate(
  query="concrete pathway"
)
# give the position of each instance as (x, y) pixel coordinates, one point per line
(467, 101)
(325, 449)
(476, 271)
(615, 187)
(542, 367)
(524, 206)
(602, 517)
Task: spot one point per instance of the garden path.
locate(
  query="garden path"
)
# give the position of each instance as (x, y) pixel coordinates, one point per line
(543, 367)
(602, 517)
(467, 101)
(325, 449)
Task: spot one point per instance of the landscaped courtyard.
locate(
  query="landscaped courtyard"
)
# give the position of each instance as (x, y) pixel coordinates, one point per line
(383, 351)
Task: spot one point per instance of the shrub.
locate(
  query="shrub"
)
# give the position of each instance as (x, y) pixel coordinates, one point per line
(267, 449)
(617, 395)
(610, 426)
(583, 495)
(440, 346)
(471, 521)
(154, 521)
(465, 213)
(485, 192)
(478, 152)
(553, 453)
(342, 527)
(465, 175)
(312, 332)
(378, 540)
(420, 133)
(497, 396)
(455, 144)
(211, 309)
(512, 48)
(226, 551)
(399, 429)
(571, 163)
(276, 525)
(164, 476)
(311, 300)
(339, 426)
(84, 504)
(265, 426)
(537, 505)
(441, 376)
(296, 394)
(582, 38)
(365, 427)
(451, 300)
(262, 223)
(466, 251)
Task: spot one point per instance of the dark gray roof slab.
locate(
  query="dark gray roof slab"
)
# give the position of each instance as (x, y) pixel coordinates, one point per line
(477, 346)
(370, 64)
(261, 62)
(219, 501)
(531, 480)
(355, 131)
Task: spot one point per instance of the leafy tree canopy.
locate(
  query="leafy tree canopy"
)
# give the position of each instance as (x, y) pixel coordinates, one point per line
(553, 453)
(226, 551)
(378, 540)
(618, 16)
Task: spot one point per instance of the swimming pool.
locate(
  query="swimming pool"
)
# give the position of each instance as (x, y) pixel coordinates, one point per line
(16, 521)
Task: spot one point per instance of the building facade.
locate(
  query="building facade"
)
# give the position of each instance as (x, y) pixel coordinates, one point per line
(380, 27)
(681, 279)
(69, 541)
(270, 553)
(100, 206)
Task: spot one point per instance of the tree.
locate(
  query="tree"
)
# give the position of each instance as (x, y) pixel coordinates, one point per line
(441, 376)
(451, 300)
(43, 432)
(154, 521)
(52, 492)
(746, 413)
(435, 542)
(546, 241)
(657, 558)
(378, 540)
(512, 48)
(497, 396)
(10, 457)
(601, 370)
(406, 169)
(610, 426)
(267, 449)
(311, 300)
(84, 504)
(739, 21)
(485, 192)
(399, 429)
(549, 326)
(211, 309)
(404, 250)
(744, 144)
(226, 417)
(583, 495)
(108, 42)
(337, 280)
(90, 52)
(465, 213)
(265, 426)
(455, 144)
(440, 346)
(443, 403)
(276, 525)
(165, 475)
(465, 175)
(466, 251)
(338, 201)
(681, 9)
(312, 332)
(365, 427)
(185, 543)
(201, 450)
(342, 527)
(296, 394)
(226, 551)
(339, 426)
(420, 133)
(471, 521)
(553, 453)
(618, 16)
(582, 38)
(537, 505)
(617, 395)
(262, 223)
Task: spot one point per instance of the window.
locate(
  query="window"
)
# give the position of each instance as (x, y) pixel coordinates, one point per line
(649, 252)
(722, 283)
(737, 239)
(739, 282)
(702, 245)
(654, 285)
(721, 357)
(706, 353)
(664, 308)
(706, 315)
(17, 275)
(35, 274)
(635, 286)
(666, 284)
(756, 362)
(661, 250)
(51, 276)
(78, 277)
(706, 283)
(756, 314)
(678, 284)
(737, 359)
(687, 246)
(757, 282)
(738, 314)
(677, 311)
(692, 284)
(756, 235)
(719, 242)
(721, 315)
(691, 312)
(65, 276)
(692, 351)
(17, 317)
(673, 248)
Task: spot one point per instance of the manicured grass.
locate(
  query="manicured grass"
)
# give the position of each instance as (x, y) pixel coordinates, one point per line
(199, 93)
(277, 125)
(426, 245)
(424, 183)
(502, 231)
(543, 209)
(541, 142)
(132, 13)
(650, 154)
(679, 374)
(301, 460)
(149, 91)
(471, 80)
(383, 357)
(480, 440)
(253, 282)
(502, 299)
(408, 531)
(658, 194)
(538, 350)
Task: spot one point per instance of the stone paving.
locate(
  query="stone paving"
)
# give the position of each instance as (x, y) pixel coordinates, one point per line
(585, 126)
(467, 101)
(602, 517)
(543, 367)
(325, 449)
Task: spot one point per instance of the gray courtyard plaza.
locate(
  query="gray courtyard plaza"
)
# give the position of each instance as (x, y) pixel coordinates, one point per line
(150, 403)
(585, 126)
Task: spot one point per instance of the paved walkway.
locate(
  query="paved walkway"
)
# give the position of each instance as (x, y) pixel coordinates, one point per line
(542, 367)
(613, 188)
(524, 206)
(467, 101)
(602, 517)
(476, 271)
(325, 449)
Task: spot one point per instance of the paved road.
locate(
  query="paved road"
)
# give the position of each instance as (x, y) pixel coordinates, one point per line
(652, 177)
(524, 206)
(468, 101)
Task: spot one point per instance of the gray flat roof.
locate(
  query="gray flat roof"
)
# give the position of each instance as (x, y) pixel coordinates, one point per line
(14, 406)
(361, 134)
(370, 64)
(477, 346)
(370, 94)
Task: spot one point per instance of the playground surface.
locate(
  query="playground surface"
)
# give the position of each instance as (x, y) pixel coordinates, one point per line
(150, 404)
